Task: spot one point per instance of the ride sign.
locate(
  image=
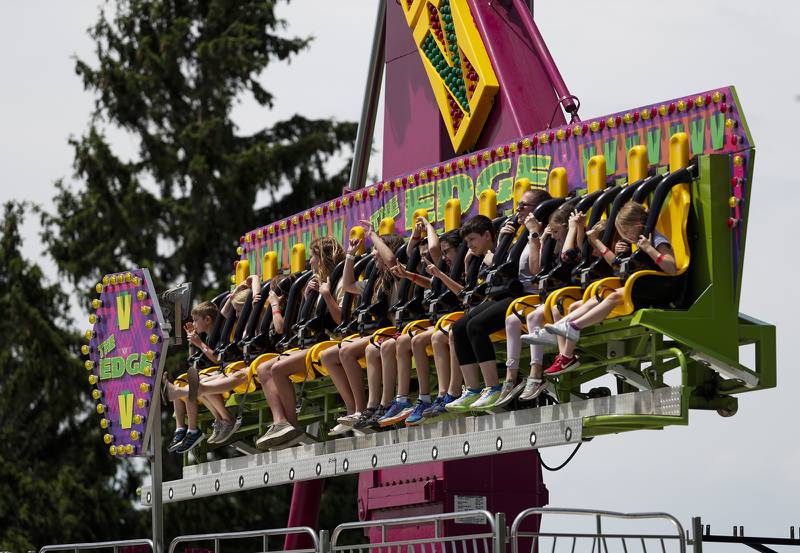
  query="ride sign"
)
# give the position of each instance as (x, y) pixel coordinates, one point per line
(125, 343)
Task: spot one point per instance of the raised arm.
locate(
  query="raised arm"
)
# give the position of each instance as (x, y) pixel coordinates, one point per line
(349, 275)
(434, 248)
(330, 300)
(277, 316)
(451, 284)
(663, 256)
(534, 243)
(380, 247)
(576, 219)
(594, 239)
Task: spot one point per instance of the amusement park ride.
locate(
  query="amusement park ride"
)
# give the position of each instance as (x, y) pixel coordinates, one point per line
(476, 112)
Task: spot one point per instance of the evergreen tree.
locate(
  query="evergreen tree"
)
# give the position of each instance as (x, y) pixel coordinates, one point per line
(169, 73)
(57, 482)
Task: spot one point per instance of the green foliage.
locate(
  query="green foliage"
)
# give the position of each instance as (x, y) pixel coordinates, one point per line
(169, 73)
(57, 483)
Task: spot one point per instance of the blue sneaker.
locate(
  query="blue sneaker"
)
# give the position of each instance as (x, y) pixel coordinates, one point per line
(397, 412)
(416, 416)
(192, 439)
(436, 408)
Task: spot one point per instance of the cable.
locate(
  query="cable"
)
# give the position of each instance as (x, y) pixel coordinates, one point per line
(562, 465)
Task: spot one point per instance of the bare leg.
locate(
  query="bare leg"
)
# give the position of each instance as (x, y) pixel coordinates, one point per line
(264, 371)
(216, 405)
(373, 355)
(330, 360)
(419, 346)
(456, 376)
(535, 319)
(593, 316)
(217, 385)
(388, 369)
(349, 354)
(295, 362)
(403, 356)
(489, 372)
(180, 413)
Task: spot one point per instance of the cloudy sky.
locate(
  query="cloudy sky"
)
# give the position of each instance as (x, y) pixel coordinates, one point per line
(613, 55)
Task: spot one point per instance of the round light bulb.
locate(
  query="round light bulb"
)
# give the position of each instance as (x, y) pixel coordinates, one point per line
(101, 408)
(85, 349)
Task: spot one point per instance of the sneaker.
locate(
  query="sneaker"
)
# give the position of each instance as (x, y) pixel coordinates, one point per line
(541, 337)
(369, 417)
(193, 439)
(435, 408)
(533, 388)
(563, 328)
(277, 434)
(489, 397)
(212, 439)
(397, 412)
(340, 429)
(416, 416)
(349, 420)
(228, 429)
(463, 404)
(562, 364)
(511, 389)
(177, 438)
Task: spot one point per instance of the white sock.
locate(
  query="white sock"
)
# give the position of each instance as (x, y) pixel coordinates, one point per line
(425, 397)
(401, 399)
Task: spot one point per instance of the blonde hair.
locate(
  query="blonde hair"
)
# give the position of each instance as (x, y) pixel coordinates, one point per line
(560, 217)
(329, 252)
(239, 298)
(630, 215)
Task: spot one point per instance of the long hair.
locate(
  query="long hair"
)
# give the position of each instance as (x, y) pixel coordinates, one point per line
(329, 252)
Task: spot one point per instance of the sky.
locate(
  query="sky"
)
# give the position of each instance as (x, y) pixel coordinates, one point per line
(613, 55)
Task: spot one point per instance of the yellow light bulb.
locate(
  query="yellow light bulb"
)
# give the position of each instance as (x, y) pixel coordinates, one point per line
(512, 147)
(499, 152)
(681, 105)
(729, 123)
(150, 356)
(138, 419)
(737, 161)
(146, 309)
(106, 280)
(662, 110)
(732, 201)
(423, 175)
(154, 338)
(611, 123)
(144, 387)
(89, 334)
(89, 364)
(259, 234)
(486, 156)
(576, 130)
(92, 379)
(141, 403)
(473, 159)
(112, 280)
(134, 435)
(141, 295)
(149, 324)
(147, 371)
(560, 134)
(112, 450)
(627, 118)
(101, 408)
(129, 449)
(92, 318)
(85, 349)
(526, 142)
(96, 394)
(716, 97)
(98, 288)
(136, 281)
(594, 126)
(108, 438)
(699, 101)
(128, 277)
(96, 303)
(103, 423)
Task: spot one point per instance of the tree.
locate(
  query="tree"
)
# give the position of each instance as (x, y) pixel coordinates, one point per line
(169, 73)
(57, 483)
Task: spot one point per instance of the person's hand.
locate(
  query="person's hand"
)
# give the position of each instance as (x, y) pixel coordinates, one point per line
(644, 243)
(508, 228)
(399, 271)
(431, 268)
(533, 224)
(548, 232)
(312, 286)
(194, 339)
(354, 245)
(576, 218)
(419, 228)
(273, 299)
(620, 247)
(256, 298)
(367, 226)
(189, 327)
(325, 287)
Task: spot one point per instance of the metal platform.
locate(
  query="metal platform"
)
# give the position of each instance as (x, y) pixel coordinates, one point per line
(452, 439)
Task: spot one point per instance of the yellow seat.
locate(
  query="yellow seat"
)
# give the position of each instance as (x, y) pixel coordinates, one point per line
(567, 296)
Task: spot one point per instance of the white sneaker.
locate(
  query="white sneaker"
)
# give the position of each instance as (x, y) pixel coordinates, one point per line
(533, 388)
(215, 434)
(339, 429)
(228, 429)
(539, 336)
(488, 398)
(563, 328)
(349, 420)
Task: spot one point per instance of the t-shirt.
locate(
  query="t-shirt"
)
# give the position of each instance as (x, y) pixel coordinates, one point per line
(659, 239)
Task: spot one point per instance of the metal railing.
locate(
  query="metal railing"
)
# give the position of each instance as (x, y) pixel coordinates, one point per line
(601, 541)
(491, 541)
(115, 545)
(263, 534)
